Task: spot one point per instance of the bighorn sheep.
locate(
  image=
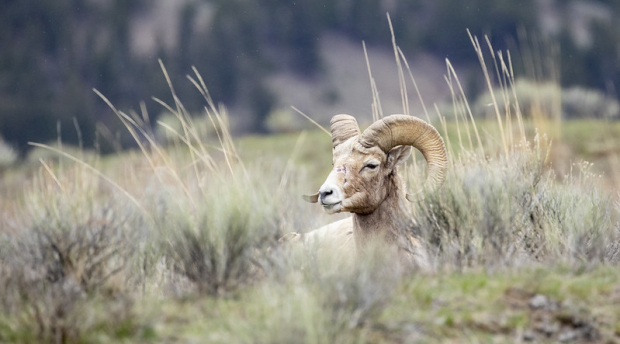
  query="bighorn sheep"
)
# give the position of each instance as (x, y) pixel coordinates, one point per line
(365, 181)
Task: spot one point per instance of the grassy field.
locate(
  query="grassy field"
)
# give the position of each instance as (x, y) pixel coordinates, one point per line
(169, 246)
(177, 241)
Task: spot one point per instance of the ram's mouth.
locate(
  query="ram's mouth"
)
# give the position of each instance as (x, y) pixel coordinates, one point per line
(332, 208)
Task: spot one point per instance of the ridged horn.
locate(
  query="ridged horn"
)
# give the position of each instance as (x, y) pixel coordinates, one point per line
(343, 127)
(396, 130)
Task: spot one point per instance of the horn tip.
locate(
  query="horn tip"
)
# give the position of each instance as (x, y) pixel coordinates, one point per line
(341, 117)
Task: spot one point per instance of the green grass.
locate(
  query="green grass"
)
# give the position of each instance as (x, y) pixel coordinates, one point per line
(481, 305)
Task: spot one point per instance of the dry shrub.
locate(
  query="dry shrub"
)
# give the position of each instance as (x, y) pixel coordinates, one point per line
(579, 102)
(73, 238)
(76, 229)
(217, 238)
(512, 211)
(8, 155)
(548, 99)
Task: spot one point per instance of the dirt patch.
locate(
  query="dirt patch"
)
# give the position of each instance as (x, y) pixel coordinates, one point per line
(555, 320)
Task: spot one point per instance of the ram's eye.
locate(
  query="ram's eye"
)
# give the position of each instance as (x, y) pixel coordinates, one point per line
(371, 166)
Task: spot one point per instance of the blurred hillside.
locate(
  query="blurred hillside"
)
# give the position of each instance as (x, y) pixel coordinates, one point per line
(260, 57)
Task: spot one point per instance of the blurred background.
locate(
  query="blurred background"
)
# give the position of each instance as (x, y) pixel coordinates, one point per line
(260, 57)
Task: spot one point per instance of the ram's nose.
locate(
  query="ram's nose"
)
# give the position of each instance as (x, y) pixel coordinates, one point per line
(325, 193)
(328, 194)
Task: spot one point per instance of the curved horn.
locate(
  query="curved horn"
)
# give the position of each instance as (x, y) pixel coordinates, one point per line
(343, 128)
(396, 130)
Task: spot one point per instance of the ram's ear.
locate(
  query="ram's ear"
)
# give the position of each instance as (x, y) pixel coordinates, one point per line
(311, 198)
(398, 155)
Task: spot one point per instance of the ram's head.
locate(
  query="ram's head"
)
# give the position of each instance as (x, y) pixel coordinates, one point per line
(365, 164)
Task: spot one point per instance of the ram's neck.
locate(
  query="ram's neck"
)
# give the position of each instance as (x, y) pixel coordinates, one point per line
(386, 221)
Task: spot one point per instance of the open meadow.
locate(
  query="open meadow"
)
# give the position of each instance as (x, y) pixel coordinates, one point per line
(177, 241)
